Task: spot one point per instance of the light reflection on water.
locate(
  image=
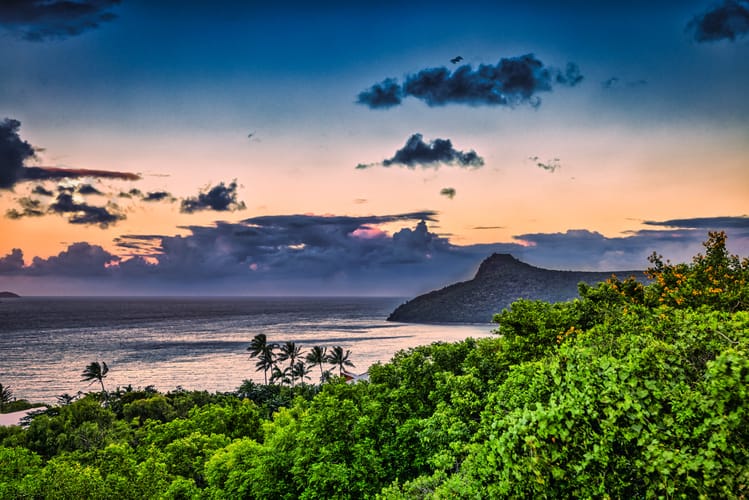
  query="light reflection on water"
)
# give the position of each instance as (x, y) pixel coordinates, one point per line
(195, 343)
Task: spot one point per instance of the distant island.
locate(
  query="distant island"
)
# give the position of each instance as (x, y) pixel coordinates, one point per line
(9, 295)
(501, 279)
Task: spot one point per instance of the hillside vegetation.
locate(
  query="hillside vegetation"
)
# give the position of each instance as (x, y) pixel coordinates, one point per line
(631, 391)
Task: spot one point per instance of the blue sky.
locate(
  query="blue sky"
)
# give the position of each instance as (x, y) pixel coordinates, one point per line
(254, 112)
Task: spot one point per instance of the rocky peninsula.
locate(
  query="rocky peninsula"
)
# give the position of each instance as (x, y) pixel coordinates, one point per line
(500, 280)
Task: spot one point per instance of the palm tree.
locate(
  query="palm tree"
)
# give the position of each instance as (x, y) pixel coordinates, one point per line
(261, 349)
(300, 371)
(290, 351)
(6, 395)
(340, 359)
(95, 371)
(282, 376)
(257, 345)
(317, 356)
(266, 361)
(65, 399)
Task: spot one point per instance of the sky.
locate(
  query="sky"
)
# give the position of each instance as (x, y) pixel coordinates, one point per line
(244, 148)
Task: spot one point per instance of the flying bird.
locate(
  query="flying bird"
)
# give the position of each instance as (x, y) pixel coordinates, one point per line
(449, 192)
(250, 135)
(456, 60)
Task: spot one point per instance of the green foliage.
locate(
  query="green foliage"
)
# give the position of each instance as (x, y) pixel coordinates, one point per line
(632, 391)
(716, 279)
(84, 425)
(18, 469)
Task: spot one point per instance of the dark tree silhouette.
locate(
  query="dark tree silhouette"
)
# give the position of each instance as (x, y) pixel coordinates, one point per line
(6, 395)
(94, 372)
(281, 376)
(300, 371)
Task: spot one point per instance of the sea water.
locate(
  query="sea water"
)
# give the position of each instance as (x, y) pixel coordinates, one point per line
(193, 343)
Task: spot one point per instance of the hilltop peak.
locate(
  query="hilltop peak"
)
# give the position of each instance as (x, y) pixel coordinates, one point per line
(498, 262)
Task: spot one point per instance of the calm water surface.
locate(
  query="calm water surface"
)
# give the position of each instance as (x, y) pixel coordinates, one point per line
(196, 343)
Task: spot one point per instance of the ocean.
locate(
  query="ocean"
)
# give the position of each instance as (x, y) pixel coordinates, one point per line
(193, 343)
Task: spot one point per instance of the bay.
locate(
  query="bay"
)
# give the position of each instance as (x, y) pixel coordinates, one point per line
(193, 343)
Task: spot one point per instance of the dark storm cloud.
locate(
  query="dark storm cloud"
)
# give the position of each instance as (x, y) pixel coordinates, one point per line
(221, 198)
(83, 213)
(79, 260)
(14, 151)
(449, 192)
(383, 95)
(431, 154)
(293, 247)
(512, 81)
(40, 20)
(342, 254)
(12, 263)
(42, 191)
(727, 20)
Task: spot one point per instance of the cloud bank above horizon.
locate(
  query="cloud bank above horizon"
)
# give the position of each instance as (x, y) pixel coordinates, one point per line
(295, 254)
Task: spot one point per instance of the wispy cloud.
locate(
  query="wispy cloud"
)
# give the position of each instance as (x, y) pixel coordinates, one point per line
(708, 223)
(29, 207)
(548, 165)
(41, 20)
(434, 153)
(512, 81)
(56, 173)
(616, 83)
